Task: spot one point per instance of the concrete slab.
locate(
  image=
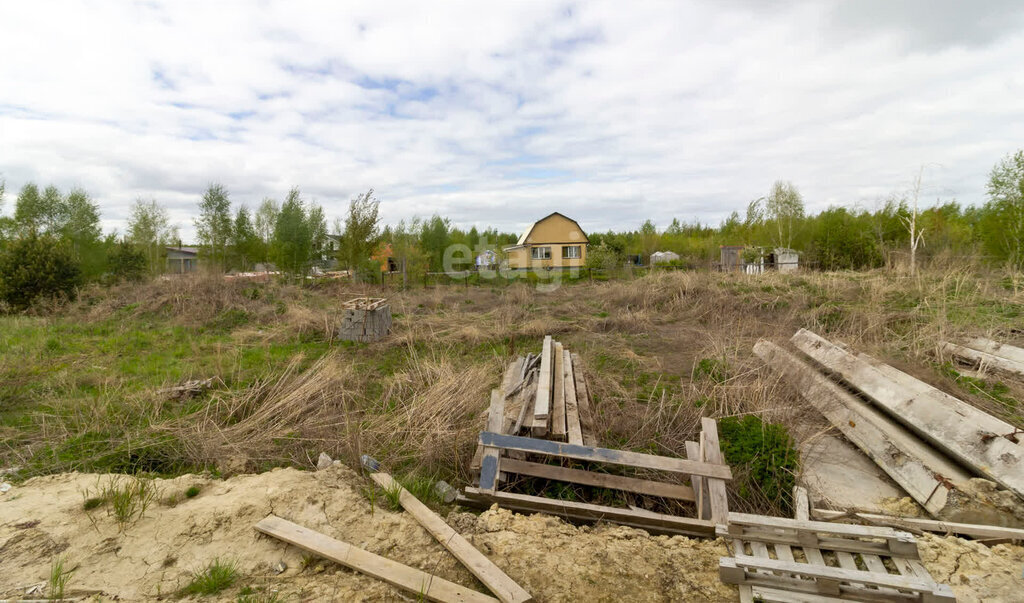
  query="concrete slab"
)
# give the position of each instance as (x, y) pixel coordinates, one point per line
(840, 476)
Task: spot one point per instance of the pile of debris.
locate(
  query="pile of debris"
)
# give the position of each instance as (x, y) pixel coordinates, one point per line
(986, 354)
(956, 461)
(365, 319)
(547, 432)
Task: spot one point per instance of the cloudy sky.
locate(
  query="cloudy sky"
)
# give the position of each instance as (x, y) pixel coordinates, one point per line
(496, 115)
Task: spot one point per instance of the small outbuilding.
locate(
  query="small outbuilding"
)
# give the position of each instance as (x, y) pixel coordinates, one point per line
(664, 257)
(784, 259)
(182, 259)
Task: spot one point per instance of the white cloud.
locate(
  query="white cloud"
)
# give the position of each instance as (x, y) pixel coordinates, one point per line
(494, 115)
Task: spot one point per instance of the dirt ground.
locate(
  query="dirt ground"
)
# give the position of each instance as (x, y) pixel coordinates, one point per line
(155, 557)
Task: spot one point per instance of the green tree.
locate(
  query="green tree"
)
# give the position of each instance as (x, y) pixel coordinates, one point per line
(435, 236)
(1004, 228)
(785, 208)
(362, 231)
(245, 243)
(127, 262)
(213, 226)
(405, 248)
(649, 240)
(37, 267)
(150, 230)
(291, 248)
(264, 223)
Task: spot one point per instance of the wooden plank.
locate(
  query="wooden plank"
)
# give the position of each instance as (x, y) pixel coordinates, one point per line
(774, 595)
(926, 474)
(600, 480)
(712, 453)
(558, 427)
(542, 403)
(491, 454)
(984, 359)
(973, 530)
(1003, 350)
(394, 573)
(659, 523)
(801, 504)
(700, 492)
(503, 587)
(573, 428)
(525, 418)
(586, 405)
(970, 435)
(605, 455)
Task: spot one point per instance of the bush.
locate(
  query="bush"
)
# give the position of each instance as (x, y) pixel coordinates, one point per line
(766, 452)
(35, 267)
(126, 263)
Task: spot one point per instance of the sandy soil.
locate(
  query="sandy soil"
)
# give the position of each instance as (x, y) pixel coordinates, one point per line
(155, 557)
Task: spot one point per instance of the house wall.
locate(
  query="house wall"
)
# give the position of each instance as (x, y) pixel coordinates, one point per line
(178, 262)
(555, 232)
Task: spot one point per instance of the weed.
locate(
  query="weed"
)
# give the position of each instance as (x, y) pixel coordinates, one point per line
(127, 497)
(215, 577)
(192, 492)
(251, 595)
(58, 580)
(393, 496)
(713, 369)
(766, 453)
(308, 560)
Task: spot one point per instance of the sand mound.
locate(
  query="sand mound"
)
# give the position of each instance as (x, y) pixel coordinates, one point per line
(556, 561)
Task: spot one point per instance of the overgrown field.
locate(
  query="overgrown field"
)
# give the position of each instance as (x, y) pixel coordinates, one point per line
(80, 389)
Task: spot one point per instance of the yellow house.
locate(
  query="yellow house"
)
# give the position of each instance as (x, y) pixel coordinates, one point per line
(551, 242)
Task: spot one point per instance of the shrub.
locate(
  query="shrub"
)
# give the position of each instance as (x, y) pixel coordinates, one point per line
(766, 452)
(35, 267)
(126, 263)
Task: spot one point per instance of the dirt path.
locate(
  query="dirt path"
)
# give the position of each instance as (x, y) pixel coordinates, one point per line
(155, 557)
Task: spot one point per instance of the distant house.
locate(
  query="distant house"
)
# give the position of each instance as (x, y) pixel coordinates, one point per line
(182, 259)
(554, 241)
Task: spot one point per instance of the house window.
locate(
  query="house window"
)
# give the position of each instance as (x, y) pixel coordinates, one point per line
(541, 253)
(571, 252)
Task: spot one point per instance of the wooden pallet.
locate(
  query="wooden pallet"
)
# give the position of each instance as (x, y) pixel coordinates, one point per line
(364, 303)
(525, 441)
(778, 559)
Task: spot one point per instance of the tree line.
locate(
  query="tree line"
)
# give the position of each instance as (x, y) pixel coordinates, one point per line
(53, 241)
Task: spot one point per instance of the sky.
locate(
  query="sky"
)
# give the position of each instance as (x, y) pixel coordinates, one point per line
(498, 113)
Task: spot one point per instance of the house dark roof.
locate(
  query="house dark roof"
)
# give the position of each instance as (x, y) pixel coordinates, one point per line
(186, 250)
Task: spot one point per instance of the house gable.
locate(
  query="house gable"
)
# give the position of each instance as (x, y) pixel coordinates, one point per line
(553, 228)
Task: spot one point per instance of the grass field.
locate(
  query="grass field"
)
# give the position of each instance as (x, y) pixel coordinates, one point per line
(79, 387)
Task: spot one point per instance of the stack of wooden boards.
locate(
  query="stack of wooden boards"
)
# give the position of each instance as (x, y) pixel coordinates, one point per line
(365, 319)
(549, 434)
(989, 355)
(926, 440)
(784, 560)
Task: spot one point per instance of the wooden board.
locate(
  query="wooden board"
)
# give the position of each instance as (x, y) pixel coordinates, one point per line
(542, 403)
(653, 522)
(984, 359)
(700, 491)
(712, 453)
(584, 402)
(491, 454)
(970, 435)
(573, 428)
(605, 455)
(1003, 350)
(397, 574)
(930, 525)
(925, 473)
(503, 587)
(558, 427)
(600, 480)
(525, 418)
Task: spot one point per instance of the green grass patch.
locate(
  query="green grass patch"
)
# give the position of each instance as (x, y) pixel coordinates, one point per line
(217, 576)
(764, 458)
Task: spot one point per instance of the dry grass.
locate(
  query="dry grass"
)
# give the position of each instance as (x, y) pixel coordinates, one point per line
(416, 400)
